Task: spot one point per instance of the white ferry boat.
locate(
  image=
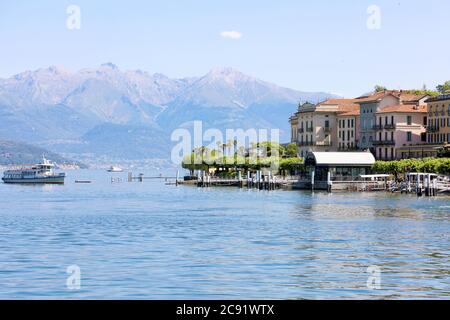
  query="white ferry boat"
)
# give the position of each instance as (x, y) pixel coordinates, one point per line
(115, 169)
(40, 173)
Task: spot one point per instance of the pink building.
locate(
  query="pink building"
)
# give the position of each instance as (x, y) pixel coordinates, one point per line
(398, 130)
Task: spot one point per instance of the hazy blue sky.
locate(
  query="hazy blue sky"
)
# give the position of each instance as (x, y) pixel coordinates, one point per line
(306, 45)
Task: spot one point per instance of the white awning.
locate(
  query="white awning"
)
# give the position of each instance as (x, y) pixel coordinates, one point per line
(341, 159)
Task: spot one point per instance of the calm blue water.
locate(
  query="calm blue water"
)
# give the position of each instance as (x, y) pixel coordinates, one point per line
(154, 241)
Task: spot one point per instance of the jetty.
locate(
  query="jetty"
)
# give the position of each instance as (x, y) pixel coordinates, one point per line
(257, 180)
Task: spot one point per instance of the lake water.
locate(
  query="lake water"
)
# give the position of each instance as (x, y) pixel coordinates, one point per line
(155, 241)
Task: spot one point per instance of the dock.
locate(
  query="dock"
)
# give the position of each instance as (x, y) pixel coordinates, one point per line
(422, 184)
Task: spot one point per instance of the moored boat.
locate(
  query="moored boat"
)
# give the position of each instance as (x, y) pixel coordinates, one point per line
(37, 174)
(115, 169)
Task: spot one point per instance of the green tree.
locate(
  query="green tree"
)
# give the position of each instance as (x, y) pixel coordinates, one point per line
(443, 88)
(291, 150)
(379, 88)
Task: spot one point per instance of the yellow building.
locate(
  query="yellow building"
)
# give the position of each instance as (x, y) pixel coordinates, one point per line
(438, 130)
(315, 126)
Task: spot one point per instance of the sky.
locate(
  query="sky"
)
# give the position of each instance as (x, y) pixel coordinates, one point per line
(344, 47)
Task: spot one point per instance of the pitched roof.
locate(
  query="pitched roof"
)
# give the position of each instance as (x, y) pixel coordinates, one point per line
(355, 112)
(442, 97)
(405, 96)
(341, 105)
(404, 108)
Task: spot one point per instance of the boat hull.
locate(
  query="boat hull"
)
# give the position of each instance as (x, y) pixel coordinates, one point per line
(44, 180)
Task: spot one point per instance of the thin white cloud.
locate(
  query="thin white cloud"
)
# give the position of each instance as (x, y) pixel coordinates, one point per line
(235, 35)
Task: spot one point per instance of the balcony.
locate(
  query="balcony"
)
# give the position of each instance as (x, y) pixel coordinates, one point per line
(301, 130)
(432, 129)
(377, 127)
(309, 129)
(390, 126)
(343, 149)
(324, 144)
(327, 129)
(305, 143)
(384, 143)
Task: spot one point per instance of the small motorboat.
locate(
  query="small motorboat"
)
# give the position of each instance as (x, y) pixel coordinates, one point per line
(115, 169)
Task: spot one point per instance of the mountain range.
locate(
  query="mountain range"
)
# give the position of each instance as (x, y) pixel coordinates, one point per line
(130, 114)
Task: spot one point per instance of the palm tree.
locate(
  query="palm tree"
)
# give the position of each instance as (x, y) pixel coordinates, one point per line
(229, 145)
(224, 146)
(219, 145)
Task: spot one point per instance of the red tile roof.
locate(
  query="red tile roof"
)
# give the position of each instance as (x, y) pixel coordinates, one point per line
(404, 108)
(405, 96)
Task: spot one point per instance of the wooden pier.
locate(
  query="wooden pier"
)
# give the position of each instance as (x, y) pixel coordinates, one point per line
(256, 181)
(141, 177)
(421, 184)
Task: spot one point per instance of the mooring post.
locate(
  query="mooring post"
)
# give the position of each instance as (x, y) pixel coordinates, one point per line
(435, 187)
(312, 179)
(419, 185)
(329, 181)
(258, 178)
(240, 178)
(177, 177)
(203, 178)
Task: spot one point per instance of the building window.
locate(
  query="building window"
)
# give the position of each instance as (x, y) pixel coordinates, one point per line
(409, 136)
(408, 120)
(423, 137)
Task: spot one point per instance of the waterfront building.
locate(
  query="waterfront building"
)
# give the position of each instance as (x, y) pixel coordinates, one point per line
(438, 130)
(335, 170)
(392, 124)
(372, 104)
(315, 127)
(400, 132)
(348, 130)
